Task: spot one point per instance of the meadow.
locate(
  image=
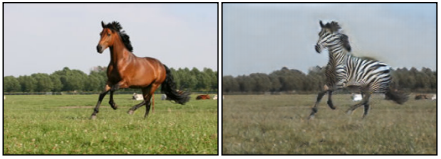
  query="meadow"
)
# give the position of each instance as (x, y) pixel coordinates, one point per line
(278, 124)
(60, 124)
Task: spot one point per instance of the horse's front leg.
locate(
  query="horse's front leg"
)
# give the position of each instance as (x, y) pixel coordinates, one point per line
(100, 99)
(111, 102)
(113, 89)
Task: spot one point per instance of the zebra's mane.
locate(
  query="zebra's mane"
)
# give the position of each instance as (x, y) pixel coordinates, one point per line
(333, 26)
(345, 41)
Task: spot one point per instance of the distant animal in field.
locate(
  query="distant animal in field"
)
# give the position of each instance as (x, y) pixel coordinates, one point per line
(164, 97)
(356, 97)
(421, 96)
(434, 97)
(204, 96)
(215, 97)
(137, 96)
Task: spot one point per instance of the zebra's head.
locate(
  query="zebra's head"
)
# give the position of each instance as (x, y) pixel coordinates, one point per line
(329, 36)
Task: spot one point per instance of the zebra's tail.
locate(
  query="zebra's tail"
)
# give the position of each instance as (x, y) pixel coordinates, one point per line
(396, 96)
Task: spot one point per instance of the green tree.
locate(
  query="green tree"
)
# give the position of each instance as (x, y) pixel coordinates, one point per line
(262, 82)
(43, 82)
(27, 83)
(57, 86)
(11, 84)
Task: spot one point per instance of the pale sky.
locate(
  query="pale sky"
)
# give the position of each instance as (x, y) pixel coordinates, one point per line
(261, 38)
(43, 38)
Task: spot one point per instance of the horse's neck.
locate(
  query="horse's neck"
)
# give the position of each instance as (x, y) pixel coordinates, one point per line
(118, 53)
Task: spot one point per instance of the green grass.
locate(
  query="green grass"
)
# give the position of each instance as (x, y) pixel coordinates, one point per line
(277, 124)
(61, 125)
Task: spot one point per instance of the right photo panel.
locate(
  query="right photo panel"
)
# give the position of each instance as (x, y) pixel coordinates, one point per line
(329, 78)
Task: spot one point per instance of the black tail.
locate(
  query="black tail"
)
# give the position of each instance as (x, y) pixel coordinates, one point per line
(398, 97)
(169, 88)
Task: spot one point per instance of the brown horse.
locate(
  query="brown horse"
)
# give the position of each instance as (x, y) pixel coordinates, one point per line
(126, 70)
(204, 96)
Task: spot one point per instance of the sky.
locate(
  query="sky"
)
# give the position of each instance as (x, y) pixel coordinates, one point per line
(262, 38)
(44, 38)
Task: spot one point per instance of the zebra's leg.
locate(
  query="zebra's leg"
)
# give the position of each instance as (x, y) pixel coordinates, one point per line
(315, 107)
(364, 102)
(366, 105)
(330, 104)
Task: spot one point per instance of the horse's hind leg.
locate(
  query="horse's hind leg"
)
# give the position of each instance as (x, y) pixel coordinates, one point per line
(100, 99)
(132, 110)
(149, 95)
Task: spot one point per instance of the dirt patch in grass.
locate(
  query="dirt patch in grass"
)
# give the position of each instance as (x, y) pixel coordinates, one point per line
(71, 107)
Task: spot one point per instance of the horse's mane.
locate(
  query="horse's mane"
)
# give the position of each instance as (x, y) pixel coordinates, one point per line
(115, 26)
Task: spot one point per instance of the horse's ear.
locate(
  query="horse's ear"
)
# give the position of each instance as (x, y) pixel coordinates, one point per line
(102, 24)
(321, 24)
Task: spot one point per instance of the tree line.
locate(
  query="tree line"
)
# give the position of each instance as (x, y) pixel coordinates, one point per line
(295, 81)
(72, 80)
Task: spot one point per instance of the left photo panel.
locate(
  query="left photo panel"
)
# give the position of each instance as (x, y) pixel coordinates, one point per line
(110, 78)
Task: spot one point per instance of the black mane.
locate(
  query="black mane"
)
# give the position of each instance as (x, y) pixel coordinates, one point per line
(334, 27)
(115, 26)
(345, 41)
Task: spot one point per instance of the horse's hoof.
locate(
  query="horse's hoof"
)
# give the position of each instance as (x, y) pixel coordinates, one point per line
(349, 112)
(93, 117)
(115, 107)
(130, 112)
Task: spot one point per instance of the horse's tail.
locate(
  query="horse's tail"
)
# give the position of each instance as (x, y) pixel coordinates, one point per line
(169, 88)
(396, 96)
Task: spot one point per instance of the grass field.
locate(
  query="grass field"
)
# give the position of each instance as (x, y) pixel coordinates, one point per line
(277, 124)
(39, 124)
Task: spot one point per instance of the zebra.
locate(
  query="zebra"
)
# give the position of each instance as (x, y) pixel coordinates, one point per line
(346, 71)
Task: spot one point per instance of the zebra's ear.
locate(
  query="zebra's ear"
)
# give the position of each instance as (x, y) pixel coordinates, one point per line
(321, 24)
(345, 40)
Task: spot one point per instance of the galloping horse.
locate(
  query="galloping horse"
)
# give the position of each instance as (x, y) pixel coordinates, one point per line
(126, 70)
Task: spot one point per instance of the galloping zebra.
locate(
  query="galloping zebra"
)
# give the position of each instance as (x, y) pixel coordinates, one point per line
(347, 71)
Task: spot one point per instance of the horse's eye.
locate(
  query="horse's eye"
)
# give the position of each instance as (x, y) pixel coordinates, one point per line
(108, 34)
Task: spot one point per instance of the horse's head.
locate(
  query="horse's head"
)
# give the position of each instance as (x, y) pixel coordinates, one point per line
(110, 34)
(107, 37)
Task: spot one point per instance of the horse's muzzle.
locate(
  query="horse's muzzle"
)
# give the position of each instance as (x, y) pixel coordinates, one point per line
(99, 49)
